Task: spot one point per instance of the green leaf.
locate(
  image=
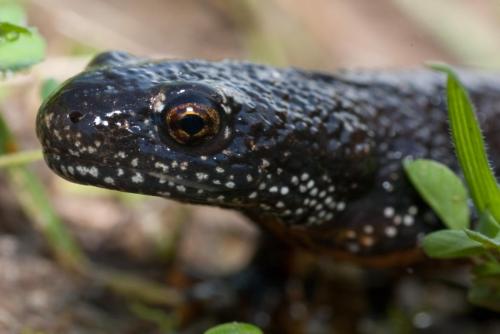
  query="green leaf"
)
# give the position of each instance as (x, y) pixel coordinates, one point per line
(441, 189)
(20, 46)
(469, 146)
(483, 239)
(22, 52)
(11, 32)
(48, 87)
(487, 269)
(12, 12)
(486, 293)
(448, 244)
(20, 158)
(488, 225)
(234, 328)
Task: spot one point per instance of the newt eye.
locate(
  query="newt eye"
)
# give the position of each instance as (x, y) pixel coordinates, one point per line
(192, 123)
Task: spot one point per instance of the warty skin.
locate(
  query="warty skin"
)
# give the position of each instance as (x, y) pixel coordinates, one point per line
(314, 158)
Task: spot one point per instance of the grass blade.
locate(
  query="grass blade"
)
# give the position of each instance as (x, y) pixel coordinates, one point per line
(32, 197)
(469, 146)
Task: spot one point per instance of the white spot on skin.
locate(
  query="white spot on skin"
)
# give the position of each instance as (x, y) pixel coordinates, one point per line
(391, 231)
(397, 219)
(180, 188)
(265, 163)
(219, 169)
(389, 212)
(284, 190)
(353, 248)
(408, 220)
(249, 178)
(227, 132)
(134, 162)
(137, 178)
(304, 176)
(273, 189)
(162, 166)
(157, 102)
(230, 185)
(94, 171)
(310, 184)
(120, 172)
(387, 186)
(295, 180)
(109, 180)
(201, 176)
(368, 229)
(280, 204)
(413, 210)
(253, 195)
(113, 113)
(351, 234)
(340, 206)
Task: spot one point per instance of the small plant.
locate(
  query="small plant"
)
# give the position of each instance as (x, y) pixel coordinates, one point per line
(234, 328)
(447, 196)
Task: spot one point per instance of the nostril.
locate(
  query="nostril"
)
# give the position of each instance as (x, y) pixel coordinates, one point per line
(75, 116)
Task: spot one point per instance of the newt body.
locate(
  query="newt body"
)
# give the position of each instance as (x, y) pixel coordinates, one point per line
(315, 158)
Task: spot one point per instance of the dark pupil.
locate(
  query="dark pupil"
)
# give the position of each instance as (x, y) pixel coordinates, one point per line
(192, 124)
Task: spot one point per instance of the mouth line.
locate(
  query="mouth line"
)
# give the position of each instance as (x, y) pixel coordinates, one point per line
(168, 178)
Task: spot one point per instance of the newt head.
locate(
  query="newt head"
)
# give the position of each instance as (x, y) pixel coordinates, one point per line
(231, 134)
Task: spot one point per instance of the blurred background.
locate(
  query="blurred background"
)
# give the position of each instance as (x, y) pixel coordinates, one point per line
(189, 248)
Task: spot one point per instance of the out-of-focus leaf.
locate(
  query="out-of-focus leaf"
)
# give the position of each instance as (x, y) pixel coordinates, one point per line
(488, 225)
(470, 147)
(12, 12)
(30, 193)
(11, 32)
(166, 323)
(487, 269)
(22, 52)
(20, 46)
(21, 158)
(48, 86)
(442, 190)
(234, 328)
(481, 238)
(447, 244)
(485, 293)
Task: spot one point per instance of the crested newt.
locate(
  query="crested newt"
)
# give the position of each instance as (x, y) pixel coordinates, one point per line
(312, 157)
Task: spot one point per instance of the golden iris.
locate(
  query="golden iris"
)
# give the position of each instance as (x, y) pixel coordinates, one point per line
(192, 123)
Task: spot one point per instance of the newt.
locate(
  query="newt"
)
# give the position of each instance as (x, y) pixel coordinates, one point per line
(314, 158)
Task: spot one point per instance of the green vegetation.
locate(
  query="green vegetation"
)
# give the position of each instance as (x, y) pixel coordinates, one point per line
(20, 46)
(234, 328)
(446, 194)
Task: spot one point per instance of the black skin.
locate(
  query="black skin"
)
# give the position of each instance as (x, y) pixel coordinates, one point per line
(314, 158)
